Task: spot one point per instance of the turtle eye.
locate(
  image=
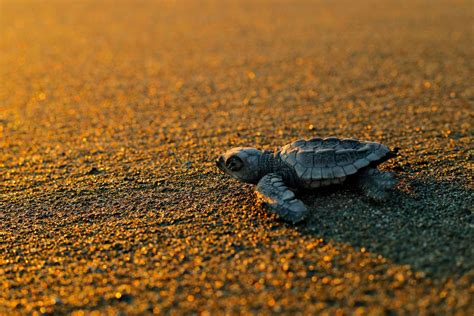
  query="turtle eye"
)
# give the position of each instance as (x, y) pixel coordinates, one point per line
(234, 163)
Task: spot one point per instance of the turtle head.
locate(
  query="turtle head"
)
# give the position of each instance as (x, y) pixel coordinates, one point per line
(241, 163)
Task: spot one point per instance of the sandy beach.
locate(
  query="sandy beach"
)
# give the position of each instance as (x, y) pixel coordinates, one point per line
(112, 114)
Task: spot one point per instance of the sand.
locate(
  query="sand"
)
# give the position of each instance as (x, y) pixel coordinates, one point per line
(111, 117)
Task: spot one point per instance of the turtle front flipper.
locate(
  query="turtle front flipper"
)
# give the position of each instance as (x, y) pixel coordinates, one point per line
(272, 191)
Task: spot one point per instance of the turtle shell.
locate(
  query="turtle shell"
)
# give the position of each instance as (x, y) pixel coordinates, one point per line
(318, 162)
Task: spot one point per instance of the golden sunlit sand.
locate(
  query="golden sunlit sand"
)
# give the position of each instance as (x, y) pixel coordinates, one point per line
(111, 117)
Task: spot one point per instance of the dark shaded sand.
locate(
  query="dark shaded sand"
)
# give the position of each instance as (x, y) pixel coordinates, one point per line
(111, 115)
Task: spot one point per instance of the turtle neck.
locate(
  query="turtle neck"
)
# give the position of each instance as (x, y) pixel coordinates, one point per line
(266, 163)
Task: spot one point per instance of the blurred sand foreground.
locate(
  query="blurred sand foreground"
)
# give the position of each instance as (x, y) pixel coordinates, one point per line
(112, 113)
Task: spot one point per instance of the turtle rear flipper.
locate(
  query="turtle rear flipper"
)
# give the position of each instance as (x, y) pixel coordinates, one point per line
(272, 191)
(376, 184)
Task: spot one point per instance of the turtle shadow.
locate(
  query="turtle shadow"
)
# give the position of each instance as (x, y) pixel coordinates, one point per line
(427, 224)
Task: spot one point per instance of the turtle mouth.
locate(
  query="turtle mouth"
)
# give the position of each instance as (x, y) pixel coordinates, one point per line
(220, 163)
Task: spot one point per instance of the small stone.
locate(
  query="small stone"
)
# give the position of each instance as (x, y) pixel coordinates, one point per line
(93, 171)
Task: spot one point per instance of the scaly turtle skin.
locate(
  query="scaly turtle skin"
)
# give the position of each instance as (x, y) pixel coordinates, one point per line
(309, 164)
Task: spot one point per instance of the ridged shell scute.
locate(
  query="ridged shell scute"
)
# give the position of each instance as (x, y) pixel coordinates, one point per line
(305, 158)
(288, 154)
(349, 143)
(324, 157)
(345, 156)
(330, 142)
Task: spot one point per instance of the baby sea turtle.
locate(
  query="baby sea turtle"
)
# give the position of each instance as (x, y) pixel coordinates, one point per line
(309, 164)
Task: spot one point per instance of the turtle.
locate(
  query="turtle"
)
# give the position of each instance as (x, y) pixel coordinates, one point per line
(310, 164)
